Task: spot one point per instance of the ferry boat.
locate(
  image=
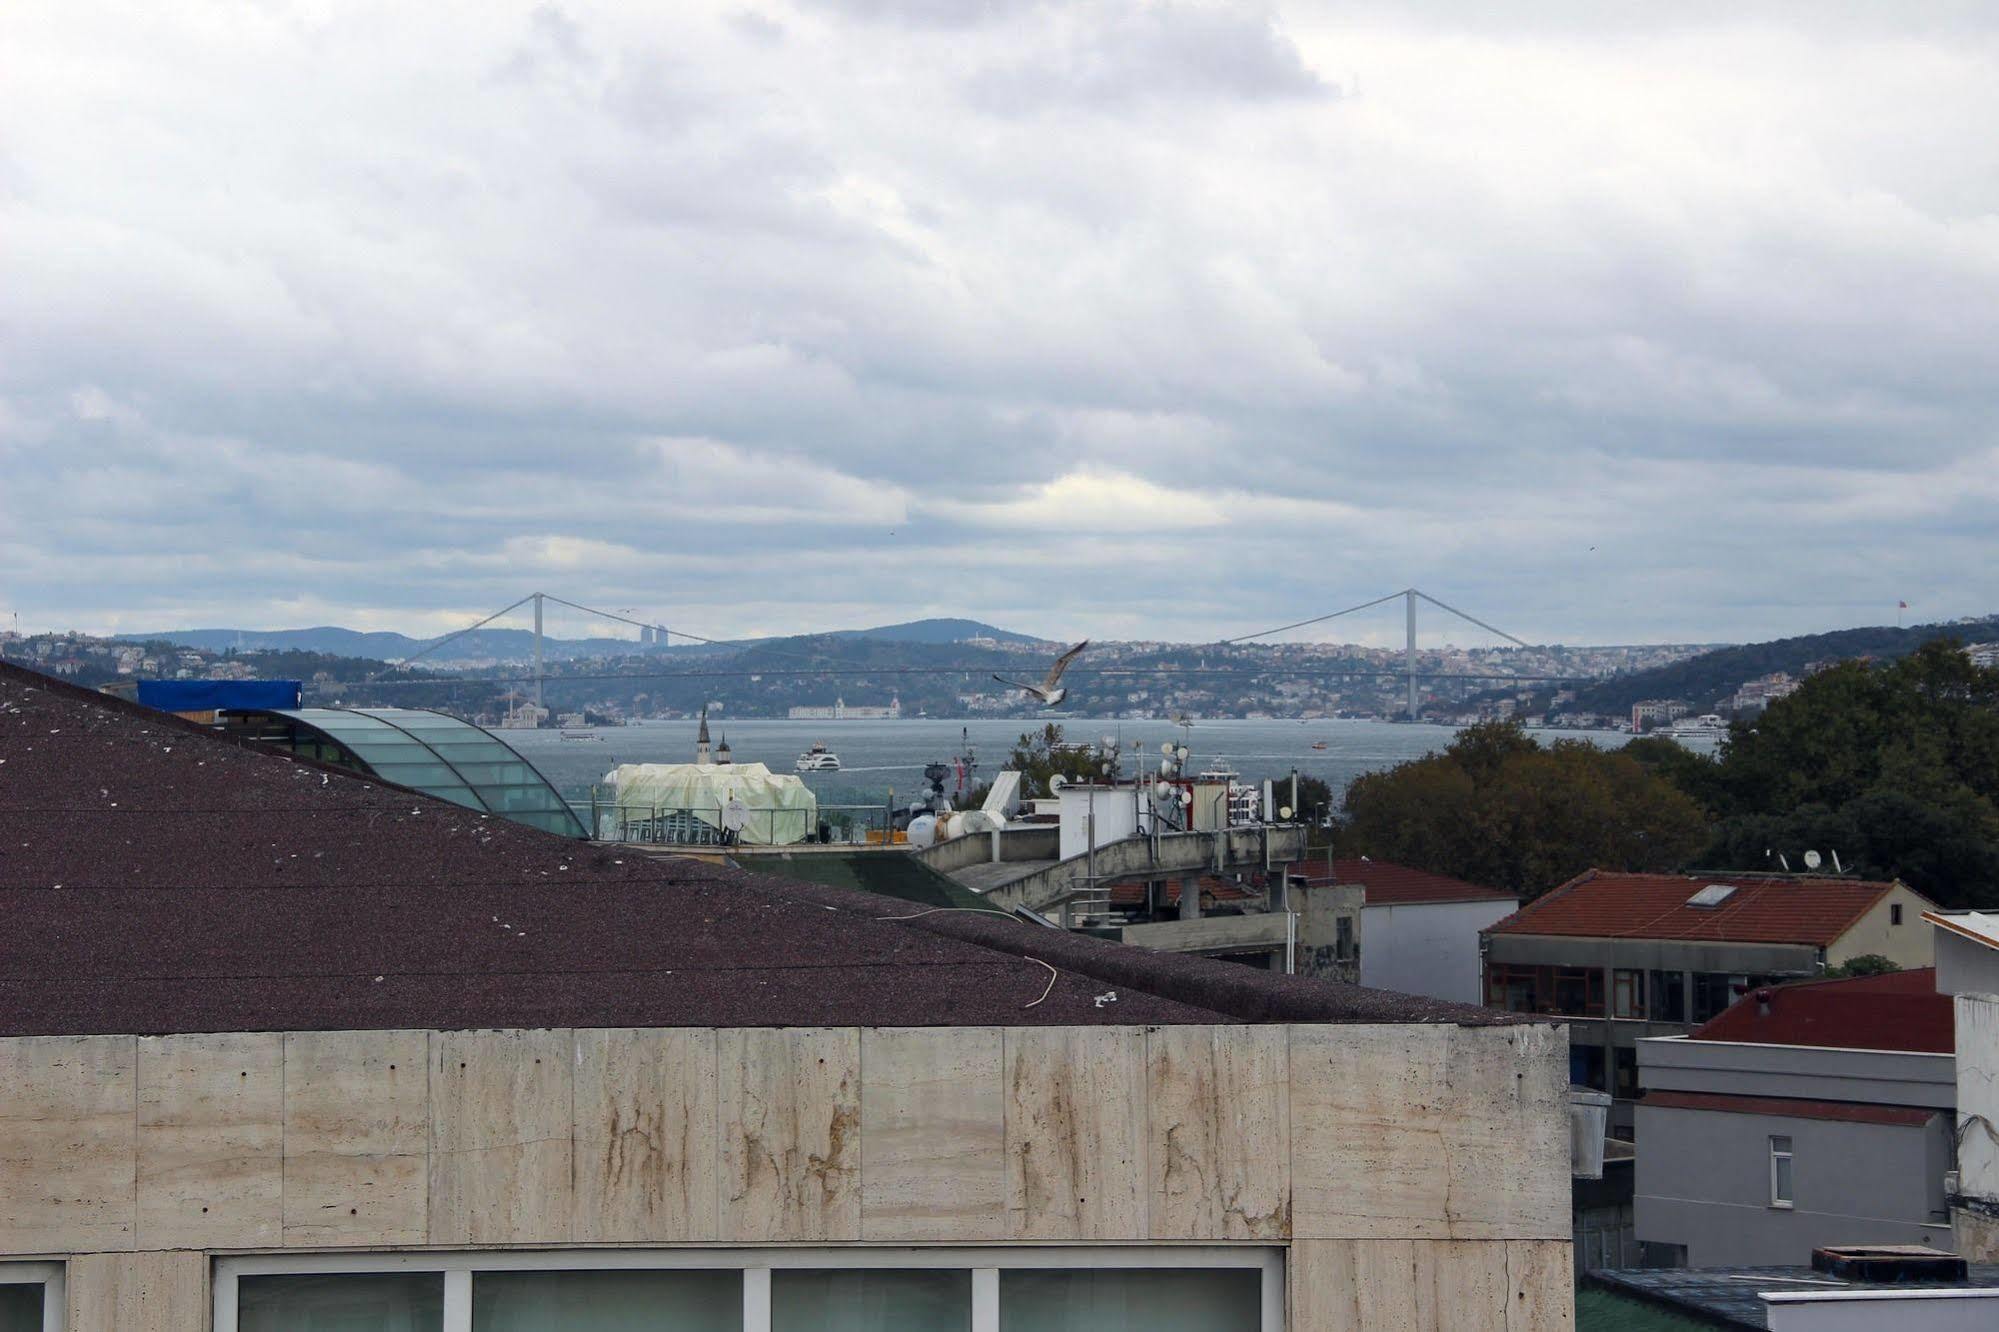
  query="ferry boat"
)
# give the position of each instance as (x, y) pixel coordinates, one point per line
(818, 759)
(580, 735)
(1706, 726)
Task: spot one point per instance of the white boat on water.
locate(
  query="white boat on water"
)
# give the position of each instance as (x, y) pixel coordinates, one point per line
(580, 735)
(818, 759)
(1707, 726)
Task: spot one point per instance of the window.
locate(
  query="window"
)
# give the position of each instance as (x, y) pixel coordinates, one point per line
(1343, 937)
(1894, 913)
(1108, 1300)
(627, 1301)
(1025, 1289)
(1668, 996)
(1627, 991)
(1562, 991)
(1780, 1172)
(1625, 1066)
(31, 1298)
(836, 1300)
(1578, 992)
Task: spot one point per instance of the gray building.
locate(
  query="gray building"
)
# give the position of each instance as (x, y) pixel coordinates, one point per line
(1626, 957)
(1808, 1115)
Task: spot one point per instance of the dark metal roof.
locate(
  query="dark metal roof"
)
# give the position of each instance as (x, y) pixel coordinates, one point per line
(1728, 1296)
(156, 877)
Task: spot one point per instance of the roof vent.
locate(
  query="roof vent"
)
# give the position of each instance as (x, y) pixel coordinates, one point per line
(1711, 896)
(1886, 1264)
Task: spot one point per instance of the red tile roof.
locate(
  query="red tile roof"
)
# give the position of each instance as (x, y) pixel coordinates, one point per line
(1764, 908)
(1389, 884)
(1898, 1011)
(1850, 1112)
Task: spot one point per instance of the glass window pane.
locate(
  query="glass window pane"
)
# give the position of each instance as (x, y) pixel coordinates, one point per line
(692, 1301)
(420, 775)
(21, 1307)
(494, 774)
(864, 1300)
(1146, 1300)
(341, 1302)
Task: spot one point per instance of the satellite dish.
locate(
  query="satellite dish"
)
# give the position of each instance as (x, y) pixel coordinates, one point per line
(1166, 748)
(1186, 797)
(1284, 811)
(1181, 753)
(1110, 742)
(1164, 790)
(1813, 860)
(1057, 782)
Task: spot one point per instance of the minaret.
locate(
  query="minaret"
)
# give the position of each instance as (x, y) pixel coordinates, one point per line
(701, 739)
(722, 751)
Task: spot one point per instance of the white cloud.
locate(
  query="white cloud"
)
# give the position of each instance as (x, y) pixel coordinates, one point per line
(1672, 323)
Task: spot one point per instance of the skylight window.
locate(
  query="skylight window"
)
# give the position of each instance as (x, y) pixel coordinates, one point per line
(1712, 896)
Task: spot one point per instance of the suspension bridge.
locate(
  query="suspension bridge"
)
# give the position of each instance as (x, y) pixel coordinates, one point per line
(811, 664)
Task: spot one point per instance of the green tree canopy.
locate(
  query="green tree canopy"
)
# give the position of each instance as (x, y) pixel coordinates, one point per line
(1497, 808)
(1894, 768)
(1040, 755)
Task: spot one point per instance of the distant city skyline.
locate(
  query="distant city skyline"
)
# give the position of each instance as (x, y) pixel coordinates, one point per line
(1118, 320)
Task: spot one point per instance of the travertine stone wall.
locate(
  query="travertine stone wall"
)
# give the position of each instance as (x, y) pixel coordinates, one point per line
(1419, 1173)
(1977, 1226)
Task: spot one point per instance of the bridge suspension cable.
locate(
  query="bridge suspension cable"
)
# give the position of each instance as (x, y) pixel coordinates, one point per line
(1409, 596)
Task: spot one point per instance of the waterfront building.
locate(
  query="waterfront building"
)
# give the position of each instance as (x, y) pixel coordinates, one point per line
(841, 712)
(1628, 956)
(289, 1047)
(1652, 711)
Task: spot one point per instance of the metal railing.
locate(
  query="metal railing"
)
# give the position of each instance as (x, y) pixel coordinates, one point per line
(703, 825)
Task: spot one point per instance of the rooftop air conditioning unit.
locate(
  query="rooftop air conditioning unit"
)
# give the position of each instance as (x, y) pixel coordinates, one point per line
(1589, 1118)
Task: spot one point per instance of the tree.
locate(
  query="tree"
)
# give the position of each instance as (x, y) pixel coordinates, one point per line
(1497, 808)
(1895, 768)
(1038, 756)
(1866, 964)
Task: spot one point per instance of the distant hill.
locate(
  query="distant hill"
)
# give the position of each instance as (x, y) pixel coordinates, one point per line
(481, 644)
(1712, 676)
(938, 631)
(518, 644)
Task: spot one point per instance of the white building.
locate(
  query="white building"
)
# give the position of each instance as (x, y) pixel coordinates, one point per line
(1419, 931)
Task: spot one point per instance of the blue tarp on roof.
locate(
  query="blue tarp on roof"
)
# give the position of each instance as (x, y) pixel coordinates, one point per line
(209, 695)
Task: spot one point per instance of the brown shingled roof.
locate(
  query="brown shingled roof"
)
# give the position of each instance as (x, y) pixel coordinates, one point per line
(155, 877)
(1764, 908)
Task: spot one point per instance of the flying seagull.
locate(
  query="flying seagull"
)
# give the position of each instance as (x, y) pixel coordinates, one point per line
(1047, 690)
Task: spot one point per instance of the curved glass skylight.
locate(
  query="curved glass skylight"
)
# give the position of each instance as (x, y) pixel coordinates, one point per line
(433, 752)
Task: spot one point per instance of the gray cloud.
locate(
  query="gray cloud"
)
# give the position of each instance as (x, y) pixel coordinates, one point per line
(1607, 330)
(1117, 56)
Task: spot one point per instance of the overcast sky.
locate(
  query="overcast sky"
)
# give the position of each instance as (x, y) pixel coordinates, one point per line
(1616, 323)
